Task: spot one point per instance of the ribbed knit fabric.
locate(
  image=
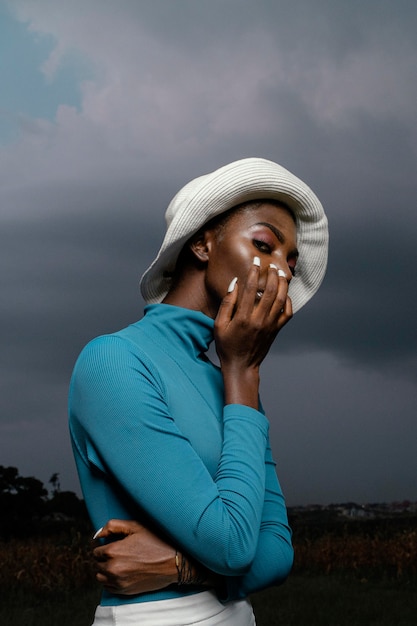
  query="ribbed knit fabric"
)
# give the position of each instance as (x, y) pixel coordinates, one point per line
(153, 442)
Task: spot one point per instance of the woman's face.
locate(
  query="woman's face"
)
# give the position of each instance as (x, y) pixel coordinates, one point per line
(267, 231)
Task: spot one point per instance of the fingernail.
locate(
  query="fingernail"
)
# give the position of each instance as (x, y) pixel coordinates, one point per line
(257, 261)
(273, 266)
(281, 273)
(232, 285)
(97, 533)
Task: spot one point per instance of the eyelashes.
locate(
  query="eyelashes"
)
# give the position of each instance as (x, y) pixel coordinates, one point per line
(262, 246)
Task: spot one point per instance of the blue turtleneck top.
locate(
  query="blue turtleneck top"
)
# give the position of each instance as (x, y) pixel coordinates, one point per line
(154, 442)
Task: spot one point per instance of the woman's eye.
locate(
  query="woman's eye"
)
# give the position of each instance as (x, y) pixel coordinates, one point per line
(262, 246)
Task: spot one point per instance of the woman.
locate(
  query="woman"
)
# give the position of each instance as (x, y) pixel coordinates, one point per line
(164, 437)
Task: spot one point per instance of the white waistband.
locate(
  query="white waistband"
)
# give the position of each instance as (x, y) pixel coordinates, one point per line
(191, 609)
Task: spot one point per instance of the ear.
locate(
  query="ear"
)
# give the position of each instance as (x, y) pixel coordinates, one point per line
(200, 245)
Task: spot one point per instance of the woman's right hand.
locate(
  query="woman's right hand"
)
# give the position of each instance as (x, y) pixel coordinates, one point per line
(245, 328)
(138, 561)
(135, 561)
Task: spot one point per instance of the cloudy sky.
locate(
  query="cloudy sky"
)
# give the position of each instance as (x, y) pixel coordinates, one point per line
(108, 107)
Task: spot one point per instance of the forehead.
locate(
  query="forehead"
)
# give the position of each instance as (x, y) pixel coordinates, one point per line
(250, 215)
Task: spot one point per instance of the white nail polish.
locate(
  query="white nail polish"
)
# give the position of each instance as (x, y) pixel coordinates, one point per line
(97, 533)
(281, 273)
(232, 285)
(273, 266)
(257, 261)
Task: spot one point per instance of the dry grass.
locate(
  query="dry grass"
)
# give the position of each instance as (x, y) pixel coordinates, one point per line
(343, 577)
(390, 556)
(63, 561)
(46, 563)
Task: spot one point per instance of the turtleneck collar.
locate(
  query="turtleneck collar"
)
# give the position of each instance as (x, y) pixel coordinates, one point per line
(193, 329)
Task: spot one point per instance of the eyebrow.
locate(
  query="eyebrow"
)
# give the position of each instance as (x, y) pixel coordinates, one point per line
(278, 234)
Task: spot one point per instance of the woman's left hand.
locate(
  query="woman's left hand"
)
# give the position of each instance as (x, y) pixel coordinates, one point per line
(135, 561)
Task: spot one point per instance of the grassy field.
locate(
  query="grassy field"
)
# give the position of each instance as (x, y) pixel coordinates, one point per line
(343, 575)
(333, 600)
(305, 600)
(48, 608)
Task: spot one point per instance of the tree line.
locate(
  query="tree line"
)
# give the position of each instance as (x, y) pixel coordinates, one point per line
(27, 507)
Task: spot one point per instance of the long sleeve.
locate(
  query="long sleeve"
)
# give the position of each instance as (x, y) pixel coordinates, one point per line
(145, 449)
(274, 553)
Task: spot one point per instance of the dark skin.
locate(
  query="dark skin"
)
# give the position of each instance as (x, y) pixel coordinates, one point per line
(247, 320)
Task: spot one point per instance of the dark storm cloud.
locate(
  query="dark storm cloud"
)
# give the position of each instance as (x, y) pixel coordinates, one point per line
(326, 88)
(330, 26)
(366, 309)
(72, 274)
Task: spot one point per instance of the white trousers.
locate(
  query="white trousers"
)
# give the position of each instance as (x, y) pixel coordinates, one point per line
(200, 608)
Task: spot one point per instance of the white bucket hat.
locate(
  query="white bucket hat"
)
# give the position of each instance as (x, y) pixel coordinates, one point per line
(242, 181)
